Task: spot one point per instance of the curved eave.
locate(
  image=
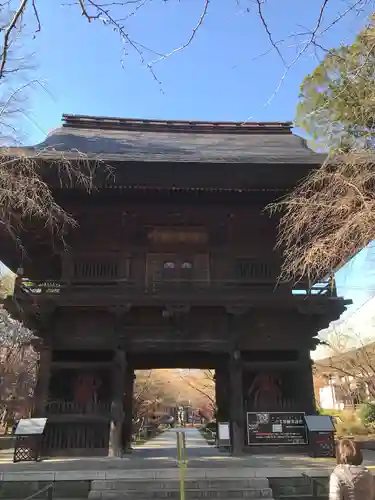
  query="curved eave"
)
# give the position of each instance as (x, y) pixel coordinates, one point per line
(314, 159)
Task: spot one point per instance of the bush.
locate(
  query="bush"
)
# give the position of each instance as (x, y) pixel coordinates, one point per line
(366, 413)
(350, 425)
(211, 426)
(331, 413)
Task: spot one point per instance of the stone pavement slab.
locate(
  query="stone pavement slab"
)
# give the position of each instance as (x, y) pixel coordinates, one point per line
(164, 446)
(161, 474)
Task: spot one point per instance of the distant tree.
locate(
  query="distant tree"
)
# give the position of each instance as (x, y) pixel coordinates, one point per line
(337, 101)
(18, 363)
(350, 361)
(6, 285)
(150, 392)
(203, 383)
(159, 390)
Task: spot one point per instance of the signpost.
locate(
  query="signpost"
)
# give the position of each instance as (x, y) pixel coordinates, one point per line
(28, 434)
(181, 461)
(281, 428)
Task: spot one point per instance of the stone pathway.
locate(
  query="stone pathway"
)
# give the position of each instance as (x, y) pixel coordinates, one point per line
(164, 446)
(160, 454)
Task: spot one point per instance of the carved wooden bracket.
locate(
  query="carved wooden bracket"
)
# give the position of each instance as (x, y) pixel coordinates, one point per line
(238, 309)
(173, 309)
(120, 311)
(309, 308)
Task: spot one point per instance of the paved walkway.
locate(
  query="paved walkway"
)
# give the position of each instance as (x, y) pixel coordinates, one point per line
(158, 456)
(164, 446)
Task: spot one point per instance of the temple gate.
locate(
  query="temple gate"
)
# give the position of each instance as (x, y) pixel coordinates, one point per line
(173, 265)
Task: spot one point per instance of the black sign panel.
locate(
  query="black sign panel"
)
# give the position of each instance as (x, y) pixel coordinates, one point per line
(322, 444)
(283, 428)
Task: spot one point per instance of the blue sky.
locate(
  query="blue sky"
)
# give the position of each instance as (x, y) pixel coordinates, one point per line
(222, 75)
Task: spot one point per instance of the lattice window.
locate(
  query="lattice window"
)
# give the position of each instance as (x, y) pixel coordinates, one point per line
(99, 268)
(251, 270)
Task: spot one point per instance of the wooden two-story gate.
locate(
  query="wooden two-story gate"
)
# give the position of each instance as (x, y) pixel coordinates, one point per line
(172, 264)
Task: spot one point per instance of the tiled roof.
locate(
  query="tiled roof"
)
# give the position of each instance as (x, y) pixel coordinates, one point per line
(131, 140)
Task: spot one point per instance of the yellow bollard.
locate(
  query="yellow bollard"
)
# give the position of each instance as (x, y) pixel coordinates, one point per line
(182, 461)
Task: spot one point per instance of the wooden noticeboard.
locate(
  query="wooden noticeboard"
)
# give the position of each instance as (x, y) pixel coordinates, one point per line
(29, 432)
(276, 428)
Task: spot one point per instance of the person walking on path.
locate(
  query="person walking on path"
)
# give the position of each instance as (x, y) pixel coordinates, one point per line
(350, 480)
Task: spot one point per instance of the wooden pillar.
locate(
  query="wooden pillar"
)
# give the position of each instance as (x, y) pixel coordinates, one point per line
(237, 412)
(117, 413)
(236, 326)
(128, 411)
(43, 379)
(221, 394)
(306, 395)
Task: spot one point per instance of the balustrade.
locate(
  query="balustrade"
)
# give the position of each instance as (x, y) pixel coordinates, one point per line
(96, 273)
(65, 439)
(182, 287)
(95, 267)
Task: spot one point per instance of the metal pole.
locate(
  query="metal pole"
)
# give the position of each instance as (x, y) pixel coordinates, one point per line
(181, 461)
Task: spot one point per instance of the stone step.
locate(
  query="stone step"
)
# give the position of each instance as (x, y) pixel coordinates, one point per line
(195, 489)
(199, 484)
(189, 494)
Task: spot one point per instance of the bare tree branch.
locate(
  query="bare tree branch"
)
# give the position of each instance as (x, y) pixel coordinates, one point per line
(191, 38)
(115, 15)
(206, 390)
(8, 34)
(265, 25)
(351, 362)
(329, 217)
(36, 14)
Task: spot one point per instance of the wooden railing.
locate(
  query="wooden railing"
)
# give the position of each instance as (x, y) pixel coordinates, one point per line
(325, 287)
(66, 439)
(95, 267)
(179, 287)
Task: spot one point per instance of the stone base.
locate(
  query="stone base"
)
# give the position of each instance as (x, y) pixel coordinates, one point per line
(256, 488)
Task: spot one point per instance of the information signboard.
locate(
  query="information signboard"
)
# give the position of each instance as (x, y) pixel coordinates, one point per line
(223, 434)
(29, 433)
(30, 426)
(281, 428)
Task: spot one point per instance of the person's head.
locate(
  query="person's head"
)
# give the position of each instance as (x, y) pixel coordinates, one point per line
(348, 452)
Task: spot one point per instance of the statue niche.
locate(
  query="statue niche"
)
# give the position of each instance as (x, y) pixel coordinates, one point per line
(265, 391)
(86, 389)
(270, 391)
(79, 391)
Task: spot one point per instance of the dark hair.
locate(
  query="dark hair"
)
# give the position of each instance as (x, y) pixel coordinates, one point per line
(348, 452)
